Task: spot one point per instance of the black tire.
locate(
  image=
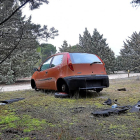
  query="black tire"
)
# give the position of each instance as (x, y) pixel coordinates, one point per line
(61, 95)
(33, 85)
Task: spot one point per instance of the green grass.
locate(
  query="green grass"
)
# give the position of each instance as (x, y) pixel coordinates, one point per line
(41, 116)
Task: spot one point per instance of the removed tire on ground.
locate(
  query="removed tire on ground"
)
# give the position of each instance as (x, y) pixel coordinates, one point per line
(61, 95)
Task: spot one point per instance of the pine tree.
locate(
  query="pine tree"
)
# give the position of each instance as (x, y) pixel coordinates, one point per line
(18, 43)
(68, 48)
(18, 46)
(16, 26)
(74, 49)
(119, 64)
(85, 41)
(33, 4)
(64, 47)
(96, 44)
(131, 53)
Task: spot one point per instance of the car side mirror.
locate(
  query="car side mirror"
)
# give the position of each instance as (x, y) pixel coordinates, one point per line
(36, 69)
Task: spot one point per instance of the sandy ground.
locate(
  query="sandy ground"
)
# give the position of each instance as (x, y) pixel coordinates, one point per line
(25, 84)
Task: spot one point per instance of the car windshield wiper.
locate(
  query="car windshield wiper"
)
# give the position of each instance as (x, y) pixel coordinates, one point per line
(94, 62)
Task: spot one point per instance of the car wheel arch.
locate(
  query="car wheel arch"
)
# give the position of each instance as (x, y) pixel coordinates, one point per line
(59, 83)
(33, 85)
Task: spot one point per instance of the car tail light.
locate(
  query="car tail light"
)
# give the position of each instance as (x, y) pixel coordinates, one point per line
(69, 62)
(102, 62)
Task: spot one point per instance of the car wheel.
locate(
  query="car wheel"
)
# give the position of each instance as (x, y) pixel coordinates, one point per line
(64, 88)
(98, 90)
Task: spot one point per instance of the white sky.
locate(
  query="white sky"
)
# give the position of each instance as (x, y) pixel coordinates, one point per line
(115, 19)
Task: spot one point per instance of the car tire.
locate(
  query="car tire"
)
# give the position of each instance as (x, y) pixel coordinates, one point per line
(36, 89)
(61, 95)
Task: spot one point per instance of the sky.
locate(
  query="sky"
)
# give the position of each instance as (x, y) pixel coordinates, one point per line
(115, 19)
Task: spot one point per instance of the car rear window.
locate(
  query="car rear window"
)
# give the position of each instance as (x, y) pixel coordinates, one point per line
(77, 58)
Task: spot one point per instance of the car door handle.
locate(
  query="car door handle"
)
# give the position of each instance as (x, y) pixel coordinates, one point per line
(46, 72)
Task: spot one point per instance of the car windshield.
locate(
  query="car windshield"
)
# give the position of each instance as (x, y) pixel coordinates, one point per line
(77, 58)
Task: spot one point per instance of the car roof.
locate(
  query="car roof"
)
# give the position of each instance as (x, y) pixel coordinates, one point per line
(62, 53)
(69, 52)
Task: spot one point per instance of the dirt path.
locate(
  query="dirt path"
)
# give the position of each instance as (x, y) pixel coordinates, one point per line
(21, 85)
(118, 76)
(25, 84)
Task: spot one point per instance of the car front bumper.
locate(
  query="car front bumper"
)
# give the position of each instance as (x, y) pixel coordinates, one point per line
(89, 82)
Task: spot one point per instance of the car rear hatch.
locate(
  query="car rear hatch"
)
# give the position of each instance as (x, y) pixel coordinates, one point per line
(87, 64)
(85, 71)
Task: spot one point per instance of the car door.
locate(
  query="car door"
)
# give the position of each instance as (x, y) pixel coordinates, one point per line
(54, 71)
(42, 75)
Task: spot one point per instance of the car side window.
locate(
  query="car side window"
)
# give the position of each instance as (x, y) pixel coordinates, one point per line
(57, 60)
(46, 65)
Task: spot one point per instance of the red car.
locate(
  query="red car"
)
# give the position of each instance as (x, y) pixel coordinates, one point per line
(66, 72)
